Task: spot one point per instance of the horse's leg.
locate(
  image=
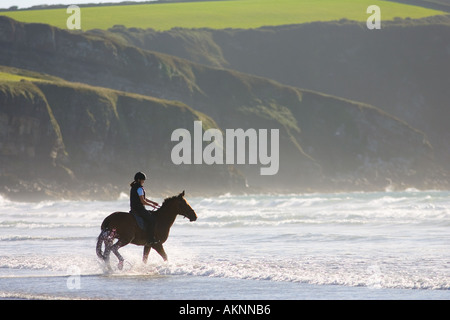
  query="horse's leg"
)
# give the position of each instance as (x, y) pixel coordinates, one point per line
(115, 248)
(160, 249)
(146, 253)
(107, 238)
(108, 246)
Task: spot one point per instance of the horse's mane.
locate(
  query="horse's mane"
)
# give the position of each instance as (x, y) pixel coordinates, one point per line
(168, 199)
(165, 202)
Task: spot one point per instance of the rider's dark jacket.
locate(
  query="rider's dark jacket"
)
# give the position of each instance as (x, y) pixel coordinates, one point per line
(135, 202)
(138, 208)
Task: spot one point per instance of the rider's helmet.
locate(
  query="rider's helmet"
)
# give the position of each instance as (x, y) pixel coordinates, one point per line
(140, 176)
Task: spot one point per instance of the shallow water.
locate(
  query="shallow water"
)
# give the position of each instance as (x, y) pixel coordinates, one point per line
(390, 245)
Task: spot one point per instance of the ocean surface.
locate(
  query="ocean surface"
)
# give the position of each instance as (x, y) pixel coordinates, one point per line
(387, 245)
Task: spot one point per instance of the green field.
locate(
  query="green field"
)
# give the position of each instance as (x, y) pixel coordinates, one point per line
(222, 14)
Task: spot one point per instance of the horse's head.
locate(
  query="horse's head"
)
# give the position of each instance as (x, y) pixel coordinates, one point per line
(184, 208)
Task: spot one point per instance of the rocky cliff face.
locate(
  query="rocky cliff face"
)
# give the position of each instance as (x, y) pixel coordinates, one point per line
(75, 141)
(31, 144)
(402, 68)
(118, 111)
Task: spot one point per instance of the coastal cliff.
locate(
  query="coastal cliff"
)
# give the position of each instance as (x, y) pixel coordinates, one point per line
(91, 110)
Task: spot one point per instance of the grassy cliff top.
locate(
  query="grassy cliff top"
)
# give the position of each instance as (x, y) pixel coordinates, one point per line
(222, 14)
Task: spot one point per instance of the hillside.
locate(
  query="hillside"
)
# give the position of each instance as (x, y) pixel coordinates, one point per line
(404, 68)
(326, 143)
(443, 5)
(62, 139)
(244, 14)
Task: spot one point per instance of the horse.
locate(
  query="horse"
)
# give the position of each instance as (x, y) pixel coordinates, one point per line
(123, 227)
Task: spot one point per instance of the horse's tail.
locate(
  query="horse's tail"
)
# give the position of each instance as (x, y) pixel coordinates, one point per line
(98, 248)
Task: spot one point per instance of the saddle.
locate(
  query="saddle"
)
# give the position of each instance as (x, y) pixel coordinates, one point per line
(145, 226)
(140, 221)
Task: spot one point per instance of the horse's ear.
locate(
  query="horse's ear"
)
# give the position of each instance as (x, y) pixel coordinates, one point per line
(182, 194)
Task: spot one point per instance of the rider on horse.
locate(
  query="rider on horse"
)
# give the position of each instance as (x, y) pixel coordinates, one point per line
(138, 201)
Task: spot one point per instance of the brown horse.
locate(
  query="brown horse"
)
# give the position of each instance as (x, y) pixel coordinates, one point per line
(123, 226)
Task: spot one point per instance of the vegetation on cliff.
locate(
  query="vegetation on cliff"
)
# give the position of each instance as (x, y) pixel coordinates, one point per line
(107, 107)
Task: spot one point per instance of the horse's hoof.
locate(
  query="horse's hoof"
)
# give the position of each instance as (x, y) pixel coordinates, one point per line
(120, 265)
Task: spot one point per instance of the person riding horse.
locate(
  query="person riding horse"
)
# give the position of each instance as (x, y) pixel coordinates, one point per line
(123, 227)
(138, 201)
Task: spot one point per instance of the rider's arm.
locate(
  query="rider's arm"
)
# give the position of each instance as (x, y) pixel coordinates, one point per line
(147, 202)
(152, 203)
(144, 200)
